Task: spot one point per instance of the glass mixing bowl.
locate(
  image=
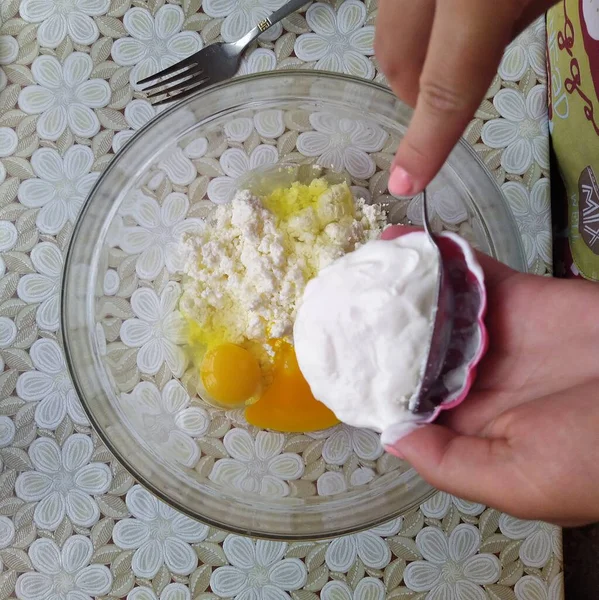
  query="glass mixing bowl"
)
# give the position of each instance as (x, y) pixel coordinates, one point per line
(122, 283)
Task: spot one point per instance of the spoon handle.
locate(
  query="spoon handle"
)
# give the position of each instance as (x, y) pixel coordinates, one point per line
(441, 326)
(266, 23)
(427, 225)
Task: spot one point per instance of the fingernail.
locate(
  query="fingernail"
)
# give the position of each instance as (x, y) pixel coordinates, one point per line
(400, 182)
(393, 450)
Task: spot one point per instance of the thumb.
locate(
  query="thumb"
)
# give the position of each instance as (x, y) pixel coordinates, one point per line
(473, 468)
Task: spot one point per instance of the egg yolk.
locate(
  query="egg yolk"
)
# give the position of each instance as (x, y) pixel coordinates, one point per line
(288, 404)
(230, 374)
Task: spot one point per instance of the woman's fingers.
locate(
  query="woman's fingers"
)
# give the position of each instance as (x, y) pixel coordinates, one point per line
(403, 29)
(536, 461)
(466, 44)
(440, 56)
(474, 468)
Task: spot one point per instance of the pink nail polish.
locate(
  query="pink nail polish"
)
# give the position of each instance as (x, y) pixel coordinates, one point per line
(400, 182)
(395, 452)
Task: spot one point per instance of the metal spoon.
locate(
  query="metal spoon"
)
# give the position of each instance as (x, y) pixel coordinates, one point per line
(441, 327)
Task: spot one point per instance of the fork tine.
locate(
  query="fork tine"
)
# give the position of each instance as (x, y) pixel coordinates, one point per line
(174, 88)
(182, 93)
(186, 62)
(175, 80)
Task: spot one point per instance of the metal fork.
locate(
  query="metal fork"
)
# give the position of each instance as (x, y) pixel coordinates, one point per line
(210, 65)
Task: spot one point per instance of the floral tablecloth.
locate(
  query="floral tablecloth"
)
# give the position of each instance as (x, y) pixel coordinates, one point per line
(73, 523)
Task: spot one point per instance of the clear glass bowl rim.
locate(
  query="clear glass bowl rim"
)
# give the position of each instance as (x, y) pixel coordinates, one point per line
(305, 524)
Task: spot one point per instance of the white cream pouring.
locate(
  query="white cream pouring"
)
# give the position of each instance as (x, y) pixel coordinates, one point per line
(362, 328)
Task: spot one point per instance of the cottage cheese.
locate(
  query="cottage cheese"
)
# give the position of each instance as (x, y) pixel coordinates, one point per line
(246, 270)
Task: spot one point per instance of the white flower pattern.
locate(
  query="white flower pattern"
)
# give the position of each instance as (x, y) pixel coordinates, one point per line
(7, 430)
(50, 386)
(158, 534)
(176, 162)
(64, 482)
(61, 186)
(261, 60)
(242, 15)
(439, 505)
(8, 137)
(7, 532)
(8, 141)
(112, 282)
(58, 19)
(368, 588)
(522, 129)
(268, 123)
(64, 96)
(533, 215)
(257, 466)
(235, 163)
(340, 143)
(257, 569)
(540, 540)
(156, 42)
(173, 591)
(369, 546)
(451, 568)
(534, 588)
(444, 203)
(137, 114)
(158, 233)
(340, 42)
(342, 440)
(8, 332)
(168, 418)
(331, 483)
(43, 287)
(527, 50)
(9, 50)
(158, 330)
(8, 238)
(63, 574)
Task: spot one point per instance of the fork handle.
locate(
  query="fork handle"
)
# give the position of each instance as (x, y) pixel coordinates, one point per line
(266, 23)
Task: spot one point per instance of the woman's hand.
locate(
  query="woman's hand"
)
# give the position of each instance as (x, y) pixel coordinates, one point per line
(440, 57)
(526, 440)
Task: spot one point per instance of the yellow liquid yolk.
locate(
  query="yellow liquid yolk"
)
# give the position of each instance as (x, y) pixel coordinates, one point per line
(288, 201)
(304, 210)
(202, 337)
(230, 374)
(288, 404)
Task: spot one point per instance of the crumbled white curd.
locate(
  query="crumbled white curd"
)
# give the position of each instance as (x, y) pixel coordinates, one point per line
(246, 270)
(362, 328)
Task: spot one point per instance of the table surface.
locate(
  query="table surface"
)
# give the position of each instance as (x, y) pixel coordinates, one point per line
(63, 83)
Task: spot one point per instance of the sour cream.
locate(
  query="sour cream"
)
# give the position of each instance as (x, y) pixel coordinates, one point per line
(362, 328)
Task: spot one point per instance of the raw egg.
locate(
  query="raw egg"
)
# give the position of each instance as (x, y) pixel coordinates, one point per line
(230, 374)
(288, 404)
